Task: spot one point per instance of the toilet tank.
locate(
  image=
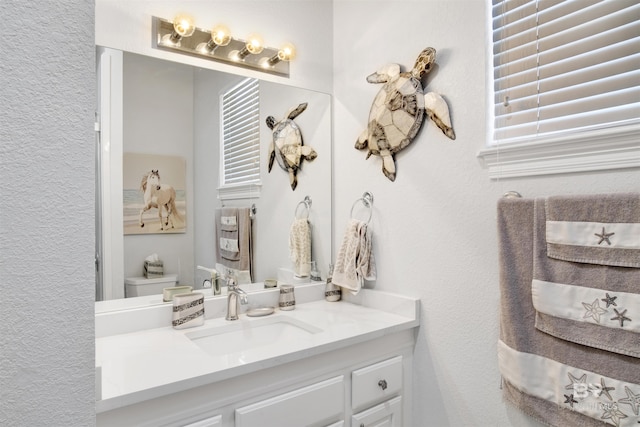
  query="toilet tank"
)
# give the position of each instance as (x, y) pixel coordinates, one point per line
(140, 286)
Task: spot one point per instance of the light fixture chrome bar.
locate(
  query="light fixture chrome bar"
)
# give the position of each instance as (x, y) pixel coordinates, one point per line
(196, 45)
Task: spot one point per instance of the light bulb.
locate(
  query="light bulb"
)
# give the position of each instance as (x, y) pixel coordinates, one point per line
(221, 35)
(254, 45)
(287, 52)
(182, 27)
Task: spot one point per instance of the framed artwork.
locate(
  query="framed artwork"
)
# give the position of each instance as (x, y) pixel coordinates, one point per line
(154, 194)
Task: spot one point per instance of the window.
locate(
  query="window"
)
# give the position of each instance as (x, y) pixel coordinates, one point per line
(240, 135)
(566, 86)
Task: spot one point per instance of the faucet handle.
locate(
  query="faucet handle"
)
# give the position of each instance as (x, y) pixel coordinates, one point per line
(232, 283)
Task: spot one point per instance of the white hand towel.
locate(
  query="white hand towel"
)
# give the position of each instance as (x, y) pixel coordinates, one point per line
(367, 264)
(300, 247)
(355, 261)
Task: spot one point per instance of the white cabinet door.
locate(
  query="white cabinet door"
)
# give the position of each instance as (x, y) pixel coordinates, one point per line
(208, 422)
(319, 404)
(387, 414)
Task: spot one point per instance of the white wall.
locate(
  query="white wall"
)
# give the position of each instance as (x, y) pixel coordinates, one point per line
(435, 226)
(47, 147)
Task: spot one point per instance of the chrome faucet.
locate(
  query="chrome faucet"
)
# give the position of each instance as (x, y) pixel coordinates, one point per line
(235, 296)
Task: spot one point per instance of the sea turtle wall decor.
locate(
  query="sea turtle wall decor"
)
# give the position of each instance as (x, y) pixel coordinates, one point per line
(287, 146)
(398, 110)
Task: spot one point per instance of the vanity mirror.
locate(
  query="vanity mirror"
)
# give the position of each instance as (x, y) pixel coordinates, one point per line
(155, 107)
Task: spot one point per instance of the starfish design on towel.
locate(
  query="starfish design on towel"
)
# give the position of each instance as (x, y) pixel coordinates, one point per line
(593, 310)
(610, 300)
(621, 316)
(602, 389)
(604, 237)
(574, 380)
(613, 413)
(570, 400)
(631, 399)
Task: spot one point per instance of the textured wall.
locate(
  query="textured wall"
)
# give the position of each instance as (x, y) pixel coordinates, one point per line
(47, 213)
(435, 226)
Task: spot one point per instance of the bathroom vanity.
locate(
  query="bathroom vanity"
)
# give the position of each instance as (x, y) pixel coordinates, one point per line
(344, 363)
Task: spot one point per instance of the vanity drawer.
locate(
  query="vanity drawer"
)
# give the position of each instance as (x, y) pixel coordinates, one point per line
(375, 383)
(387, 414)
(208, 422)
(318, 403)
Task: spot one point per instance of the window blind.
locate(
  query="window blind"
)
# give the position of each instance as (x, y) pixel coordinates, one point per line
(564, 66)
(240, 108)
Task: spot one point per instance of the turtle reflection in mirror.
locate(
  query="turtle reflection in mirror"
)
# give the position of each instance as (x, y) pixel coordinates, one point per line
(287, 146)
(398, 110)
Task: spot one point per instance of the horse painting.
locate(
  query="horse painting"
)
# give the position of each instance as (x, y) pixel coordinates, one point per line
(160, 196)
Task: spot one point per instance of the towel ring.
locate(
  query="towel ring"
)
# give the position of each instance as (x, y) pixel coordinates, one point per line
(367, 201)
(307, 204)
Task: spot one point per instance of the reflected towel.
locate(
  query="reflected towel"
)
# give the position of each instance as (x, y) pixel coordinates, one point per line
(559, 403)
(234, 248)
(300, 247)
(355, 261)
(591, 304)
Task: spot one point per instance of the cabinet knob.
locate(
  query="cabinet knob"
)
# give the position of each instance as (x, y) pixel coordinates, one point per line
(382, 384)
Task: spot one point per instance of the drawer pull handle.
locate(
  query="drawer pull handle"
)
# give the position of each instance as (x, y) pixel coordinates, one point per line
(382, 384)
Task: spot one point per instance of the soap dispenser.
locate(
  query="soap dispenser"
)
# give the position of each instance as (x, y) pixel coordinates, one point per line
(332, 292)
(214, 280)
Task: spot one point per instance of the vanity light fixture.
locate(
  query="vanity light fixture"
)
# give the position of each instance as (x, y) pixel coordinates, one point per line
(217, 44)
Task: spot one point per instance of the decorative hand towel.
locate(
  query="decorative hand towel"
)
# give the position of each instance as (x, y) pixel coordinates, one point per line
(229, 223)
(594, 305)
(367, 263)
(594, 229)
(228, 245)
(355, 261)
(234, 248)
(300, 246)
(555, 381)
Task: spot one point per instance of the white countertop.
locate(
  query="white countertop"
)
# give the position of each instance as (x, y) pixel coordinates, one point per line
(150, 363)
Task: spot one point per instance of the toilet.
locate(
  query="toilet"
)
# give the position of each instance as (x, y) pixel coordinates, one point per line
(140, 286)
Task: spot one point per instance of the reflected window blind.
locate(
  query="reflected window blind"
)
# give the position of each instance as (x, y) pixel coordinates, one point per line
(564, 66)
(241, 133)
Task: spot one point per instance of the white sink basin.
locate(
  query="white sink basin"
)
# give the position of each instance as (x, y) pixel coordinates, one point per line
(248, 334)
